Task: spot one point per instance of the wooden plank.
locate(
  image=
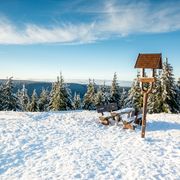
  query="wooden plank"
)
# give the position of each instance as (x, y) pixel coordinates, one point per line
(128, 126)
(116, 116)
(113, 106)
(101, 109)
(107, 108)
(105, 120)
(146, 79)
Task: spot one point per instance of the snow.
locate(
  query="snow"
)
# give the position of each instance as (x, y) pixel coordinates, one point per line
(73, 145)
(124, 113)
(125, 110)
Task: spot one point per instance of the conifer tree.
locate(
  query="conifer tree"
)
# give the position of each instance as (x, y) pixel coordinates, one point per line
(106, 93)
(155, 102)
(102, 97)
(56, 98)
(33, 105)
(9, 101)
(99, 98)
(23, 98)
(68, 97)
(1, 97)
(43, 100)
(89, 97)
(60, 96)
(52, 96)
(76, 101)
(178, 83)
(169, 93)
(135, 98)
(115, 91)
(178, 92)
(123, 98)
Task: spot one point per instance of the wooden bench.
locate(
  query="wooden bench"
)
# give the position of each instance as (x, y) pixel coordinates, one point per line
(134, 120)
(110, 108)
(116, 114)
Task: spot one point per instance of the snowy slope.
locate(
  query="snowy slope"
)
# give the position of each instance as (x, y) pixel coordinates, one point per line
(73, 145)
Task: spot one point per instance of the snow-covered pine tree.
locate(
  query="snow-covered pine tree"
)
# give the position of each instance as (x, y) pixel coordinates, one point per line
(52, 96)
(60, 96)
(135, 98)
(178, 83)
(102, 96)
(55, 100)
(155, 102)
(76, 101)
(123, 98)
(10, 101)
(33, 106)
(178, 92)
(68, 97)
(99, 98)
(23, 98)
(106, 93)
(43, 100)
(115, 91)
(89, 97)
(169, 93)
(1, 97)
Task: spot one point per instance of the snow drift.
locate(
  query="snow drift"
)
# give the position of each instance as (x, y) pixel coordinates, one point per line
(73, 145)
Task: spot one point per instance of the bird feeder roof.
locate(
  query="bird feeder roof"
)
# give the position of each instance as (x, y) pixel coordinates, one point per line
(149, 61)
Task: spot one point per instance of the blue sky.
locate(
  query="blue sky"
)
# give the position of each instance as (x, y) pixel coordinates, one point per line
(85, 39)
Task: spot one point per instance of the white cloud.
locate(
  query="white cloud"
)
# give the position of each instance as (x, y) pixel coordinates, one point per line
(117, 18)
(32, 34)
(123, 19)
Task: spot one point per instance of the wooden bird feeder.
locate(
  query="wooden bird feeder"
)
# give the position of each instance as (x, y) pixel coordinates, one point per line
(153, 62)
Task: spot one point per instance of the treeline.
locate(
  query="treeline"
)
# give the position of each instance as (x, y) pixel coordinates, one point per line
(164, 98)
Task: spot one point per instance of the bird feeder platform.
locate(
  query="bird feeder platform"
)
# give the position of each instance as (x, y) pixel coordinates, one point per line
(147, 61)
(146, 79)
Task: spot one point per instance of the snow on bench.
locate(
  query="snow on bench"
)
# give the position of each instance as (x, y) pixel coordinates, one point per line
(128, 115)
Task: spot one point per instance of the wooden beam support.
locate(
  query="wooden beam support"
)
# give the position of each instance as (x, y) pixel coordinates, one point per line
(145, 97)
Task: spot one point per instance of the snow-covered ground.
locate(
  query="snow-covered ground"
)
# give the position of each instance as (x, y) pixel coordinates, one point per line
(73, 145)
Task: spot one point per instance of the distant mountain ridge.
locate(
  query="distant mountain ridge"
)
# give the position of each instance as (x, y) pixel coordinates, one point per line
(76, 81)
(79, 86)
(100, 82)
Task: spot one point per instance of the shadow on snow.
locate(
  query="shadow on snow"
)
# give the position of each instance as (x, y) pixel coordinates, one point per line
(162, 126)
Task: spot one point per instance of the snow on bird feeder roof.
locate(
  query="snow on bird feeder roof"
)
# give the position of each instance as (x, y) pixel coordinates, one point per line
(149, 61)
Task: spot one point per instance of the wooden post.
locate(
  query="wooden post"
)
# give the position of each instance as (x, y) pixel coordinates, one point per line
(147, 61)
(145, 97)
(143, 73)
(145, 92)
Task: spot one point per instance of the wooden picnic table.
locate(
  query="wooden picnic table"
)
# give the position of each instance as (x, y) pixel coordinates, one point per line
(111, 111)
